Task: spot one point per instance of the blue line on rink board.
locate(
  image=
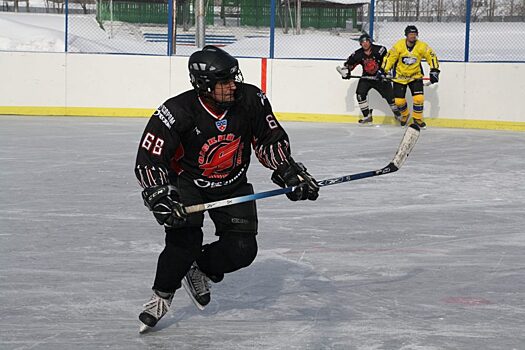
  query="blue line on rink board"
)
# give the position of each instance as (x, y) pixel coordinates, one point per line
(190, 38)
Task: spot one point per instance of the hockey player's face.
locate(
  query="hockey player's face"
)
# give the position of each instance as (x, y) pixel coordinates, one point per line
(412, 37)
(224, 91)
(365, 44)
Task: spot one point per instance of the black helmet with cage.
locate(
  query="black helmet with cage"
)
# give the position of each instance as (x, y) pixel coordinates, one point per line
(211, 65)
(411, 29)
(365, 37)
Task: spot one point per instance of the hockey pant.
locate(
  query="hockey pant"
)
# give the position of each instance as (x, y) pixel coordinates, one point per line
(236, 247)
(384, 88)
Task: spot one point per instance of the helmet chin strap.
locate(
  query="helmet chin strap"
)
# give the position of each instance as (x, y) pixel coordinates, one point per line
(215, 105)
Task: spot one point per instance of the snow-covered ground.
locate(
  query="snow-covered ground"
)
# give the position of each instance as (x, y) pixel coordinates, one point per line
(46, 32)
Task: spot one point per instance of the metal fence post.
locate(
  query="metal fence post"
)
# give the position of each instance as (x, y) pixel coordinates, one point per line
(200, 24)
(174, 30)
(372, 10)
(170, 27)
(467, 29)
(272, 28)
(66, 23)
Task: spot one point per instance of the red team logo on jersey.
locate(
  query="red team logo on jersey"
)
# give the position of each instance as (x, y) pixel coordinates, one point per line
(219, 155)
(370, 66)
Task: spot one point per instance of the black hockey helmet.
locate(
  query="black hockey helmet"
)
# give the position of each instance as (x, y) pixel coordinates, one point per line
(211, 65)
(411, 29)
(364, 37)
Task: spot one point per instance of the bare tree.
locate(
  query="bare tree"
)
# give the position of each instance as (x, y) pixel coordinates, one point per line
(447, 10)
(491, 8)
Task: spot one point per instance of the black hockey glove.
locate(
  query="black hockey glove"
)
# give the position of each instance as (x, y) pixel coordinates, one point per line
(295, 174)
(163, 202)
(380, 74)
(434, 75)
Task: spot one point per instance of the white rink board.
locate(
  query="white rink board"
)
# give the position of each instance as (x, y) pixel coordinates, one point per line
(116, 81)
(32, 79)
(466, 91)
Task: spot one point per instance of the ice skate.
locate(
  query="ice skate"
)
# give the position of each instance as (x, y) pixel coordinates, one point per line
(420, 123)
(366, 120)
(403, 120)
(196, 284)
(154, 310)
(397, 116)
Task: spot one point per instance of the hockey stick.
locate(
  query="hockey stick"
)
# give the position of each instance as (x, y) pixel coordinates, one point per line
(343, 71)
(385, 78)
(427, 83)
(405, 147)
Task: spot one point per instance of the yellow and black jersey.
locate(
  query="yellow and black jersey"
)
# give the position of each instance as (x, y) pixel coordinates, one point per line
(407, 62)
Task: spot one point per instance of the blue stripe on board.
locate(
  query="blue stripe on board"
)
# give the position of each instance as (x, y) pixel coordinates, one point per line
(191, 35)
(191, 41)
(190, 38)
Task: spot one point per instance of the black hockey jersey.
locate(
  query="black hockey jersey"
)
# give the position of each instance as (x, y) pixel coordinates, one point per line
(186, 138)
(371, 63)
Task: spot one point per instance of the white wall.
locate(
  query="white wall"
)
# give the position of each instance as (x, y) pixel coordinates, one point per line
(116, 81)
(32, 79)
(59, 83)
(481, 91)
(101, 84)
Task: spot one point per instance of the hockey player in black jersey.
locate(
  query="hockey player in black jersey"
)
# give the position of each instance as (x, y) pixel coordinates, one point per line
(195, 149)
(370, 57)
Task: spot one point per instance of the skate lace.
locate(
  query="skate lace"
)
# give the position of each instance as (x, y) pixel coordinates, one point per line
(157, 306)
(199, 281)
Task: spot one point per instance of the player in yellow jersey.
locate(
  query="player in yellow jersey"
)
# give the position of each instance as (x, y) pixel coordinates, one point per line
(404, 58)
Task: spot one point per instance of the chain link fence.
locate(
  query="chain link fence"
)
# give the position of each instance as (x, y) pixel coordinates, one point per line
(458, 30)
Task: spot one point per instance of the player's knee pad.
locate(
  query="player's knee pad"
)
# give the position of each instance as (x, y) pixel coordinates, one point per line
(418, 99)
(241, 249)
(362, 98)
(401, 102)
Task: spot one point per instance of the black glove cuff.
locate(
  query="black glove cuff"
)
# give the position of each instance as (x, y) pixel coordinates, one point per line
(153, 195)
(277, 179)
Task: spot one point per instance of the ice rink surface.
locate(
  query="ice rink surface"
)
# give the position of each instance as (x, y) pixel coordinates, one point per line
(430, 257)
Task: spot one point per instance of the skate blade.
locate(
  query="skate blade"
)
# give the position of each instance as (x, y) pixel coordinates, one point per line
(143, 328)
(188, 291)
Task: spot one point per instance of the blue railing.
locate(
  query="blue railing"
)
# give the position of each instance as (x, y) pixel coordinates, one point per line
(272, 30)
